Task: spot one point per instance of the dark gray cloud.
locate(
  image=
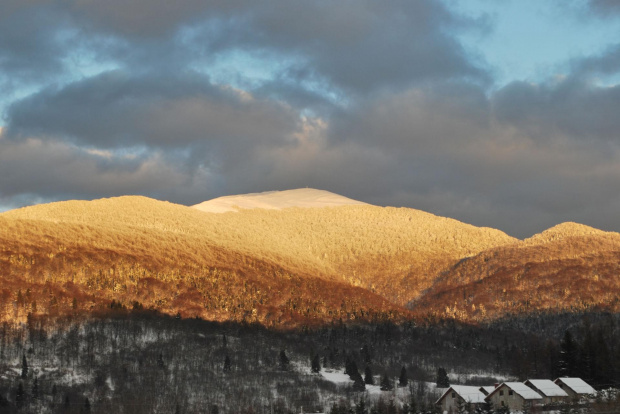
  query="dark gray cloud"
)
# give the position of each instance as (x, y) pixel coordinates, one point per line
(604, 7)
(40, 169)
(31, 40)
(430, 118)
(115, 110)
(607, 63)
(346, 42)
(573, 107)
(343, 43)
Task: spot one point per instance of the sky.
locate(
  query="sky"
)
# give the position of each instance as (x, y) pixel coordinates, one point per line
(498, 113)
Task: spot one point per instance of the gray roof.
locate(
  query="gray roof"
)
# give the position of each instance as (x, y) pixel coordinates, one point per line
(547, 388)
(578, 385)
(468, 393)
(521, 389)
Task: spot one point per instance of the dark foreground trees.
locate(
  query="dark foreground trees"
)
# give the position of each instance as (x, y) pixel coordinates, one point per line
(153, 363)
(442, 380)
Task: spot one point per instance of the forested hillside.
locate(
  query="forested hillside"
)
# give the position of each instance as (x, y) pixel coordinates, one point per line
(145, 362)
(294, 266)
(570, 268)
(393, 252)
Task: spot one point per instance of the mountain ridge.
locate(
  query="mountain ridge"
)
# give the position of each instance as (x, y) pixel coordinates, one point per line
(385, 249)
(176, 258)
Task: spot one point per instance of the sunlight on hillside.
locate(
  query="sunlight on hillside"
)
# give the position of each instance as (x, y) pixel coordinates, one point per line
(393, 251)
(295, 264)
(569, 268)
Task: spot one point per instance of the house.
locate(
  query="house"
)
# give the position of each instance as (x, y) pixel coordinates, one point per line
(514, 395)
(549, 390)
(458, 395)
(575, 387)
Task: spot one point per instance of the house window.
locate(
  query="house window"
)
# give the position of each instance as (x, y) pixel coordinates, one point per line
(510, 392)
(502, 403)
(453, 395)
(501, 392)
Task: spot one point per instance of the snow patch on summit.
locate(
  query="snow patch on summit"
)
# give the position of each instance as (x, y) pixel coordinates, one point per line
(276, 200)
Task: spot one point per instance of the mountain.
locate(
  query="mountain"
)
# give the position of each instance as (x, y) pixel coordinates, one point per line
(290, 258)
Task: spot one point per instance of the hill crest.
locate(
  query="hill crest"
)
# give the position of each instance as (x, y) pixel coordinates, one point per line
(563, 231)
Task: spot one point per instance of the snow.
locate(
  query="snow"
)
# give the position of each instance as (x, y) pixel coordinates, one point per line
(578, 385)
(276, 200)
(463, 377)
(547, 388)
(336, 377)
(469, 393)
(340, 378)
(374, 389)
(109, 383)
(73, 377)
(523, 390)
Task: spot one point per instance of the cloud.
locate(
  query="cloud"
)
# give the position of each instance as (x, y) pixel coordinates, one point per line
(346, 43)
(52, 170)
(604, 7)
(607, 63)
(30, 40)
(116, 109)
(354, 46)
(572, 107)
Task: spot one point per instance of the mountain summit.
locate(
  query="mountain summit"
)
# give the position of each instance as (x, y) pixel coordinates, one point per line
(276, 200)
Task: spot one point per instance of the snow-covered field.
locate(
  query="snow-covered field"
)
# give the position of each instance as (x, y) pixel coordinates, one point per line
(374, 392)
(337, 377)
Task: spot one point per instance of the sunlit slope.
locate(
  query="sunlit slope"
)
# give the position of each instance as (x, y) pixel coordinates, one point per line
(564, 231)
(294, 265)
(79, 256)
(395, 252)
(570, 267)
